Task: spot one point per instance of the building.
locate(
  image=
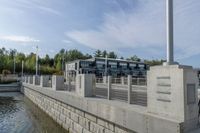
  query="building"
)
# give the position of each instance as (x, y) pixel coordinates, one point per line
(106, 66)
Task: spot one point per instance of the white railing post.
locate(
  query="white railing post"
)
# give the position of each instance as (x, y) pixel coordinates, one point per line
(109, 87)
(129, 88)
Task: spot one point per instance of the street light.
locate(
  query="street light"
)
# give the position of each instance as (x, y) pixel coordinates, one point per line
(22, 68)
(14, 65)
(170, 32)
(36, 61)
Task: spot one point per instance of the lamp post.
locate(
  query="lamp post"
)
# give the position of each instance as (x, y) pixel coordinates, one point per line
(22, 68)
(170, 32)
(36, 73)
(14, 65)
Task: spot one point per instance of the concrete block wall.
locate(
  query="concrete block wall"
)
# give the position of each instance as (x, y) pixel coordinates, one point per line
(72, 119)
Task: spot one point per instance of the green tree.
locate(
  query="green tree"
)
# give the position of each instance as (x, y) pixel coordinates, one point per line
(98, 53)
(134, 58)
(112, 55)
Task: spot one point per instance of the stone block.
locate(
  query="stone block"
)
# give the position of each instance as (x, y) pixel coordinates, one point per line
(74, 117)
(120, 130)
(91, 117)
(108, 131)
(95, 128)
(86, 131)
(67, 113)
(105, 124)
(85, 123)
(62, 117)
(81, 113)
(78, 128)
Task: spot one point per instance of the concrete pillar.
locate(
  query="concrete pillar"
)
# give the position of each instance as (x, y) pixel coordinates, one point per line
(30, 79)
(172, 94)
(44, 81)
(129, 80)
(36, 80)
(85, 85)
(109, 87)
(57, 82)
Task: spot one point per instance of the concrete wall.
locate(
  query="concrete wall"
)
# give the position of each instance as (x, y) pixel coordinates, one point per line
(72, 118)
(96, 115)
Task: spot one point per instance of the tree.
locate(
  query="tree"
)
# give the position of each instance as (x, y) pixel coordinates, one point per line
(104, 53)
(98, 53)
(154, 62)
(134, 58)
(112, 55)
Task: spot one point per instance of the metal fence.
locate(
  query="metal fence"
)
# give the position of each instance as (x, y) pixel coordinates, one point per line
(123, 81)
(133, 94)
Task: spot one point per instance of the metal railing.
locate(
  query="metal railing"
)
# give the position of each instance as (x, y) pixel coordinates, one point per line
(123, 81)
(130, 90)
(127, 92)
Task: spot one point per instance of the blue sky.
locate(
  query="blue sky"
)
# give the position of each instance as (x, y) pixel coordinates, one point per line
(127, 27)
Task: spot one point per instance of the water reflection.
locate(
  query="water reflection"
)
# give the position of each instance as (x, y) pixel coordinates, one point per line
(19, 115)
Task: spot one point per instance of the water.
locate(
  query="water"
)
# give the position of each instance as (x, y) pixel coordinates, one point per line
(19, 115)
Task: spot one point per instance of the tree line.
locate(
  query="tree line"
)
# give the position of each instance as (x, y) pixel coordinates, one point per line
(55, 65)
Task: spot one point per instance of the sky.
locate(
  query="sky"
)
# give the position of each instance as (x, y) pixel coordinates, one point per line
(128, 27)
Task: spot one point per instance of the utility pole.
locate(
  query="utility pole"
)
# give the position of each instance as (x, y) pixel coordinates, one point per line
(170, 32)
(36, 73)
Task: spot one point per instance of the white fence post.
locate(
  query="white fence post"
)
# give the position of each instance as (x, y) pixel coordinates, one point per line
(109, 87)
(129, 88)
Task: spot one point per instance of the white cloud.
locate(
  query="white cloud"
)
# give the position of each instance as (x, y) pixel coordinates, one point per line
(19, 39)
(144, 27)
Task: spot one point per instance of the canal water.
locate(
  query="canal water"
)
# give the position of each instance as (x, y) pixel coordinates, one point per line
(19, 115)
